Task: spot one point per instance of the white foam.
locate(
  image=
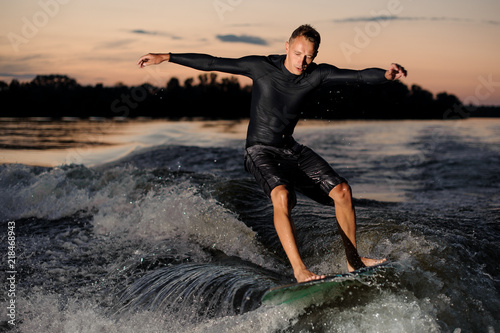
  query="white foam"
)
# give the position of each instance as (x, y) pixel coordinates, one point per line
(388, 313)
(179, 211)
(126, 201)
(74, 315)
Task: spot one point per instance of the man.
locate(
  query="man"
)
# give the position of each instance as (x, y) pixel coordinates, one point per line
(279, 164)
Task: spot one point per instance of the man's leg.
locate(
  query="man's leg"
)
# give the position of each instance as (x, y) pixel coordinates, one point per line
(285, 228)
(346, 218)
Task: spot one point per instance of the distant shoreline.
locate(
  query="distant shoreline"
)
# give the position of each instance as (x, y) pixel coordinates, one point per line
(61, 97)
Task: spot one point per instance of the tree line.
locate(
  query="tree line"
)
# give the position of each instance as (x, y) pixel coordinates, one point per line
(58, 96)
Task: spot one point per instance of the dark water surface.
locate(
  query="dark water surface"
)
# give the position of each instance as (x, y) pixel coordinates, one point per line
(155, 227)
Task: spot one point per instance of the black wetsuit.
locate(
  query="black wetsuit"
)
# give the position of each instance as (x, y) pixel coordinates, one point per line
(272, 155)
(277, 94)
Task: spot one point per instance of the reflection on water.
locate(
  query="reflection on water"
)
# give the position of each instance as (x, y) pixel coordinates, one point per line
(46, 134)
(49, 142)
(46, 142)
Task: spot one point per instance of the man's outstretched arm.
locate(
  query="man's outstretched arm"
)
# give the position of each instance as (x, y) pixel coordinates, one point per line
(336, 75)
(204, 62)
(378, 75)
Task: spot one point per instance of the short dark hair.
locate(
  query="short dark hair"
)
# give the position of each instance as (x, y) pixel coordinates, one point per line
(309, 33)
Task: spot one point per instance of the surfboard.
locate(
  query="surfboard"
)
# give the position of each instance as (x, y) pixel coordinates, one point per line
(338, 282)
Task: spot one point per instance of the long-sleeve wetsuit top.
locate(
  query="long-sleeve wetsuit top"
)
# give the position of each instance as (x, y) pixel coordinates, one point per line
(277, 94)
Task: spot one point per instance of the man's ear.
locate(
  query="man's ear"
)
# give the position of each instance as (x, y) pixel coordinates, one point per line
(287, 45)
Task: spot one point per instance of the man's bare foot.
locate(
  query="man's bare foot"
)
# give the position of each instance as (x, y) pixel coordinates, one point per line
(305, 275)
(367, 262)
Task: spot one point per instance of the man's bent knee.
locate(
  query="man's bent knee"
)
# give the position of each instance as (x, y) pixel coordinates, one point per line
(281, 197)
(341, 193)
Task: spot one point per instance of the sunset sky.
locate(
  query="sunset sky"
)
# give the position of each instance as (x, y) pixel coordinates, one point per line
(446, 45)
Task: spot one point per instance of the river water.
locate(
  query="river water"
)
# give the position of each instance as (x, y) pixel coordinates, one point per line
(154, 226)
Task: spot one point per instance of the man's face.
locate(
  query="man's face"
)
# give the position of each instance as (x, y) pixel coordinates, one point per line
(299, 54)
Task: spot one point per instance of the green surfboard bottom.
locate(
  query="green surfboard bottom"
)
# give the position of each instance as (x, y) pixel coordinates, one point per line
(292, 292)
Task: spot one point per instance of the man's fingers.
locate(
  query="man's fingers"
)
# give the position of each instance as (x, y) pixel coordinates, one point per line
(143, 61)
(400, 69)
(397, 71)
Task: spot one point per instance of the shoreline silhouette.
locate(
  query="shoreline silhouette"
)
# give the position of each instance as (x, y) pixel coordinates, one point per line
(57, 96)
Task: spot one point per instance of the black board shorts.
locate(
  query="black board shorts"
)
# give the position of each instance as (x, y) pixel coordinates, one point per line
(299, 168)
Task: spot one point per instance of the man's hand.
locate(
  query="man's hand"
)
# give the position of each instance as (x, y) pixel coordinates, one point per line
(153, 59)
(395, 72)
